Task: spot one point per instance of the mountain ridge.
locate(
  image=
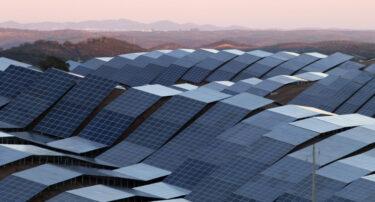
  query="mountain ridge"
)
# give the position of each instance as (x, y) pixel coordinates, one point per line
(115, 25)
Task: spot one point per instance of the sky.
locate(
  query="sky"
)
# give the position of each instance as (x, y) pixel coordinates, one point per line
(257, 14)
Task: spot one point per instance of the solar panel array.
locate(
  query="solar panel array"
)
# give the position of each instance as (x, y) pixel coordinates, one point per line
(223, 115)
(38, 97)
(16, 79)
(75, 106)
(114, 119)
(263, 66)
(156, 130)
(236, 65)
(200, 71)
(334, 91)
(221, 139)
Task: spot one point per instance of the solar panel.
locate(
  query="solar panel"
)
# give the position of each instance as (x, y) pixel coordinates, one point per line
(242, 86)
(102, 193)
(65, 196)
(143, 171)
(358, 99)
(360, 190)
(9, 155)
(75, 106)
(190, 174)
(233, 67)
(264, 65)
(331, 92)
(327, 63)
(293, 65)
(200, 71)
(176, 70)
(47, 174)
(111, 122)
(370, 68)
(40, 95)
(16, 79)
(220, 117)
(14, 188)
(160, 127)
(368, 108)
(162, 190)
(248, 155)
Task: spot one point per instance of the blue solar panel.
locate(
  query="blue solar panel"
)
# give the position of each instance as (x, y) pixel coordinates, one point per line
(368, 109)
(16, 79)
(333, 91)
(327, 63)
(40, 96)
(233, 67)
(209, 125)
(14, 188)
(75, 106)
(155, 131)
(200, 71)
(115, 118)
(261, 67)
(358, 99)
(291, 66)
(176, 70)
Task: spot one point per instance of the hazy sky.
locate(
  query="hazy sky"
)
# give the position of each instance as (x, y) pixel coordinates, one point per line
(353, 14)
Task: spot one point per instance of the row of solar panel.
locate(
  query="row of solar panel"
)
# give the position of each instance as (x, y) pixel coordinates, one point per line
(70, 100)
(251, 160)
(207, 65)
(350, 91)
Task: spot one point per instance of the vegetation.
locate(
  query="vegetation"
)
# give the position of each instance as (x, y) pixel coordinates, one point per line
(51, 53)
(52, 61)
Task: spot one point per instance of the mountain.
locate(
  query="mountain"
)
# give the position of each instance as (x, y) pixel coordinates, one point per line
(113, 25)
(39, 51)
(35, 53)
(187, 39)
(228, 44)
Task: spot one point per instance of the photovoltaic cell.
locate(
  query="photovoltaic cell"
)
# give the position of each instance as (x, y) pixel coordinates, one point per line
(264, 65)
(291, 66)
(155, 131)
(40, 95)
(75, 106)
(358, 99)
(16, 79)
(233, 67)
(176, 70)
(200, 71)
(327, 63)
(17, 189)
(368, 108)
(220, 117)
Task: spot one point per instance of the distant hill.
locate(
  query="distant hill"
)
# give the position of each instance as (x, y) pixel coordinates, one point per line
(167, 46)
(34, 53)
(361, 50)
(188, 39)
(227, 44)
(114, 25)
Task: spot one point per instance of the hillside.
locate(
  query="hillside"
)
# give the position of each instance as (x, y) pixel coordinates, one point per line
(35, 53)
(38, 51)
(119, 25)
(189, 39)
(228, 44)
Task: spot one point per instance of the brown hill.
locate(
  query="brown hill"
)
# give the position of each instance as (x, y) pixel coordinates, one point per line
(227, 44)
(38, 51)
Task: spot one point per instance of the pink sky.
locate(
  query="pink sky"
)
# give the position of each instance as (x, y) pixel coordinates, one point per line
(289, 14)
